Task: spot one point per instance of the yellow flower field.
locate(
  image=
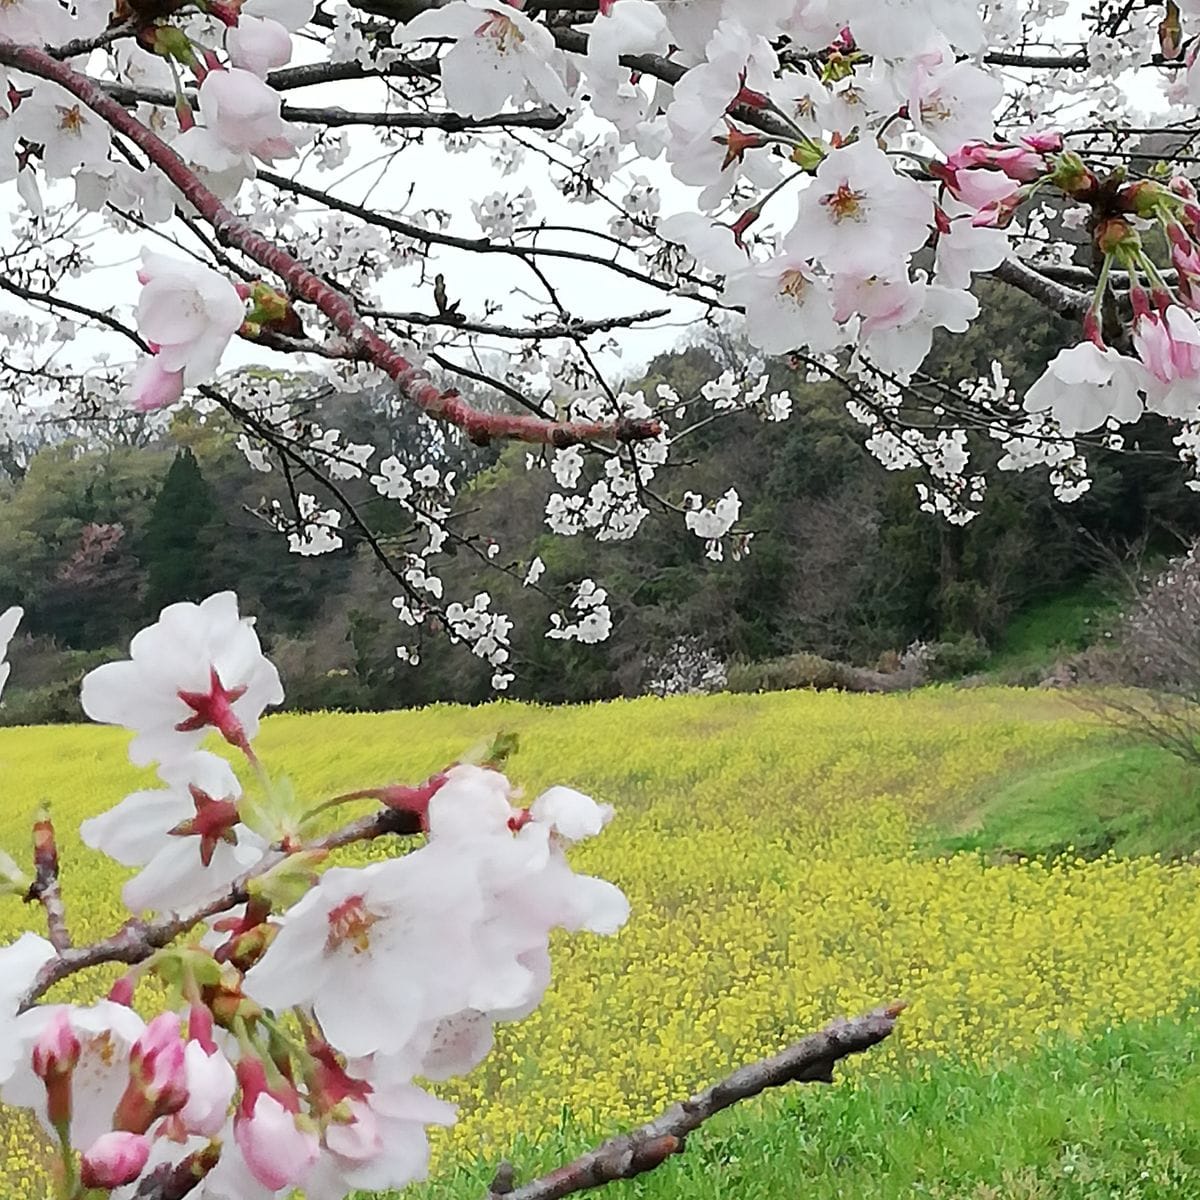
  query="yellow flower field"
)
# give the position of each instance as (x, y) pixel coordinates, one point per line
(766, 845)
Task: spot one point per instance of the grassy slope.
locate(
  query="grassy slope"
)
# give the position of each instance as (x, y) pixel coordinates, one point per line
(1101, 798)
(1042, 632)
(1114, 1117)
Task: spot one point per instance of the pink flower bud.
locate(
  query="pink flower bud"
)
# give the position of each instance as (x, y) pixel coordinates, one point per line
(211, 1083)
(122, 991)
(114, 1159)
(55, 1055)
(277, 1147)
(153, 387)
(57, 1050)
(157, 1077)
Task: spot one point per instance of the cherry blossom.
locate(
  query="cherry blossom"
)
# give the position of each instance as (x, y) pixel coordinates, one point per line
(499, 54)
(626, 27)
(1084, 386)
(242, 112)
(859, 217)
(338, 947)
(952, 102)
(786, 306)
(199, 668)
(105, 1033)
(187, 838)
(1169, 346)
(70, 132)
(189, 313)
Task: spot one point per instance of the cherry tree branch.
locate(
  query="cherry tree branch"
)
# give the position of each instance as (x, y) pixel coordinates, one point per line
(570, 328)
(479, 425)
(137, 940)
(810, 1060)
(334, 115)
(74, 49)
(1057, 297)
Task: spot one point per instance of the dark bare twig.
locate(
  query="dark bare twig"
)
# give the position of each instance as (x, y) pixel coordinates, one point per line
(481, 245)
(572, 327)
(810, 1060)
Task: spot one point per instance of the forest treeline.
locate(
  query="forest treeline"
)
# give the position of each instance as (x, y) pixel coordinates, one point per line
(98, 534)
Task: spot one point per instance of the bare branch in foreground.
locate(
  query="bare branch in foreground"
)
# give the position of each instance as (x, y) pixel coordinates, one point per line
(810, 1060)
(1057, 297)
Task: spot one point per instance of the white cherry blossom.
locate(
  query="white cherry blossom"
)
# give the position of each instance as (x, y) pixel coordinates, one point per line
(106, 1033)
(499, 54)
(198, 669)
(1084, 386)
(858, 216)
(187, 837)
(786, 306)
(242, 112)
(189, 313)
(70, 133)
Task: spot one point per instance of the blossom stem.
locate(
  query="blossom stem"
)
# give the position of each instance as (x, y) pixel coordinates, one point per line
(335, 801)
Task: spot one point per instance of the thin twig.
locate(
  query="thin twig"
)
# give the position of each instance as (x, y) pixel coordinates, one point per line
(45, 889)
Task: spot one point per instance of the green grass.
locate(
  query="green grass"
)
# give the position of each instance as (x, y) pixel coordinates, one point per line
(1116, 1117)
(1094, 799)
(1048, 629)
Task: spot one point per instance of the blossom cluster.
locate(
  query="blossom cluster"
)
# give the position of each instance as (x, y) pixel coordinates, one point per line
(304, 1003)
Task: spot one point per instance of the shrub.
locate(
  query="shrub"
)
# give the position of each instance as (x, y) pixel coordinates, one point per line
(50, 704)
(954, 659)
(791, 672)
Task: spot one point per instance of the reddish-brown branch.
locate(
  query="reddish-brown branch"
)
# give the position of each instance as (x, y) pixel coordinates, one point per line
(480, 426)
(809, 1060)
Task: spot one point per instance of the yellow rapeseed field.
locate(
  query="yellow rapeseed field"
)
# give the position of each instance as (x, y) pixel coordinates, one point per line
(766, 845)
